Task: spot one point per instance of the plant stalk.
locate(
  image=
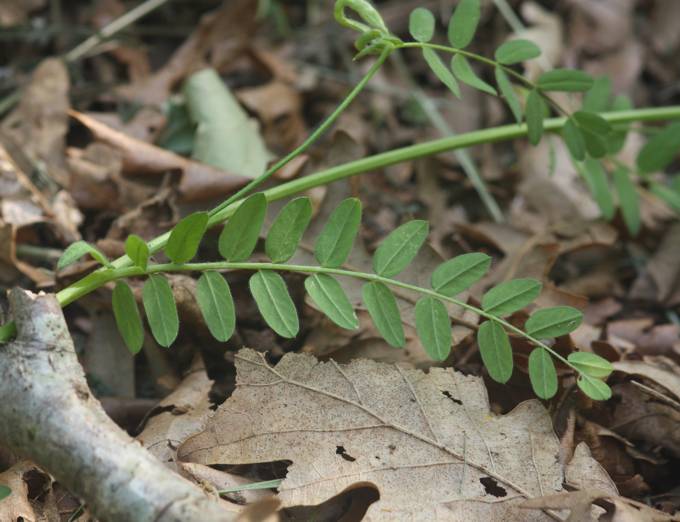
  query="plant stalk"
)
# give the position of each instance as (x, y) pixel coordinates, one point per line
(135, 271)
(371, 163)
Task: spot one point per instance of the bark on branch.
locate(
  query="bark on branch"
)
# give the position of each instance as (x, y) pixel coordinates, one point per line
(49, 415)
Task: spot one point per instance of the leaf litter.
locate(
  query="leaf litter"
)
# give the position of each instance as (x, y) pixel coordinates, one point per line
(57, 186)
(427, 442)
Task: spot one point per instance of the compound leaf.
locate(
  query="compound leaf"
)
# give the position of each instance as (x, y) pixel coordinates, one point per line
(399, 248)
(239, 236)
(542, 373)
(160, 308)
(548, 323)
(441, 71)
(186, 237)
(463, 71)
(510, 296)
(382, 307)
(127, 317)
(590, 364)
(629, 199)
(516, 51)
(496, 352)
(137, 250)
(565, 80)
(274, 302)
(216, 304)
(329, 296)
(433, 326)
(287, 230)
(77, 250)
(421, 24)
(463, 23)
(458, 274)
(336, 239)
(508, 93)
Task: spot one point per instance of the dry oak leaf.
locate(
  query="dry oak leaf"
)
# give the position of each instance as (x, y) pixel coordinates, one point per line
(427, 442)
(18, 505)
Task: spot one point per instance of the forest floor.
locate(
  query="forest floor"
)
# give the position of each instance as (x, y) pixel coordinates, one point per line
(98, 146)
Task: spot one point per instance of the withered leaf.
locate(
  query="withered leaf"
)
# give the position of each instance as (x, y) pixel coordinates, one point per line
(428, 442)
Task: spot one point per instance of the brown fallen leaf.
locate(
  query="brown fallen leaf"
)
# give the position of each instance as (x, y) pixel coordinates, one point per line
(199, 181)
(40, 121)
(94, 172)
(17, 506)
(15, 12)
(660, 280)
(220, 37)
(546, 30)
(641, 416)
(179, 415)
(579, 503)
(134, 57)
(428, 442)
(664, 33)
(106, 358)
(604, 25)
(658, 370)
(279, 108)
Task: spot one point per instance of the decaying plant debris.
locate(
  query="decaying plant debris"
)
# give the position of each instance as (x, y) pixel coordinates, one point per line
(268, 419)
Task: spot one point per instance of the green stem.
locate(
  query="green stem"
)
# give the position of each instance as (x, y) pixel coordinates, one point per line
(311, 138)
(372, 163)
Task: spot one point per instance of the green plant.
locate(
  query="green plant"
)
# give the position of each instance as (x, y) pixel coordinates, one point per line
(588, 133)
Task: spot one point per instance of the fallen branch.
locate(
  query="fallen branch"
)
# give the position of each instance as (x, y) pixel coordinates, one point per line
(49, 415)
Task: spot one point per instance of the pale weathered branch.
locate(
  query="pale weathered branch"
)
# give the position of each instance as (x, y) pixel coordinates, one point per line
(49, 415)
